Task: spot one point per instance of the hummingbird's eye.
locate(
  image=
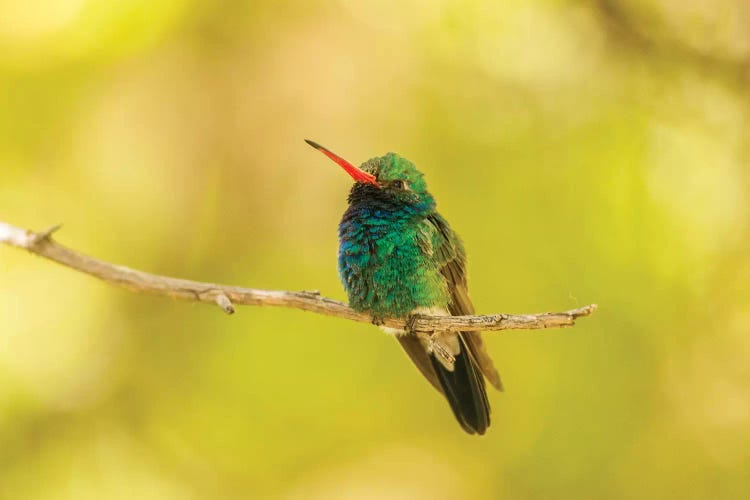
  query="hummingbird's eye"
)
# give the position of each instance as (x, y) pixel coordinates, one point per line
(398, 184)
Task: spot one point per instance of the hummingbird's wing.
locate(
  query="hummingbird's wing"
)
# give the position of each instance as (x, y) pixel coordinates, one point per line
(450, 254)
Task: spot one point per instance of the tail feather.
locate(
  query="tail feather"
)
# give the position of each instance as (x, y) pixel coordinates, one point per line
(465, 391)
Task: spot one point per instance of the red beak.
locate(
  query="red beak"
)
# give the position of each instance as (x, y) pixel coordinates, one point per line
(357, 174)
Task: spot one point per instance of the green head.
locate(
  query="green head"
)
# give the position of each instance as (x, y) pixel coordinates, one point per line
(390, 177)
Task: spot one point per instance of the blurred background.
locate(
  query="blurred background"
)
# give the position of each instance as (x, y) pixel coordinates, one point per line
(591, 151)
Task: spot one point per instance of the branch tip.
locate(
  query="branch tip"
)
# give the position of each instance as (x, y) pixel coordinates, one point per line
(584, 311)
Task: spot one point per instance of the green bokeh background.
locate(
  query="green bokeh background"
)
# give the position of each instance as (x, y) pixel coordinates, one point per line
(586, 152)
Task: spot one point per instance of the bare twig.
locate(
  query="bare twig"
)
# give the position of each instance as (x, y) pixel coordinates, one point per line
(225, 296)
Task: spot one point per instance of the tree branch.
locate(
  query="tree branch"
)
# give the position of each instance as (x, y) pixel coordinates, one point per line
(225, 296)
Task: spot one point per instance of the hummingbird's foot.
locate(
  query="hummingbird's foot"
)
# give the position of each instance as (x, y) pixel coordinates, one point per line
(446, 359)
(377, 320)
(441, 349)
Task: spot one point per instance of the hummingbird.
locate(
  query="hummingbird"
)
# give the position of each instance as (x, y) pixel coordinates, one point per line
(397, 257)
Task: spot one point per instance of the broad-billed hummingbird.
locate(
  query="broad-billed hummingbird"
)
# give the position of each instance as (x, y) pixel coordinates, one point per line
(398, 256)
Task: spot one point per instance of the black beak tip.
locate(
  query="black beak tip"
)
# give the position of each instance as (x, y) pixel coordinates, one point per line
(313, 144)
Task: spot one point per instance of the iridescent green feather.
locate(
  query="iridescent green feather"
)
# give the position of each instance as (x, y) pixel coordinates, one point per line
(386, 259)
